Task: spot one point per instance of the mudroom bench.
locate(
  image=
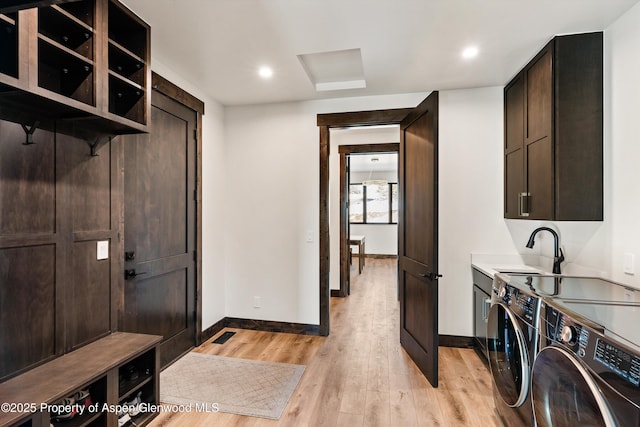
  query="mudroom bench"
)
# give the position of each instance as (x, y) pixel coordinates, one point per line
(87, 386)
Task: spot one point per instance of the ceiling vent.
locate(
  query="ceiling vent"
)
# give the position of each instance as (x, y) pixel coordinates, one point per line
(335, 70)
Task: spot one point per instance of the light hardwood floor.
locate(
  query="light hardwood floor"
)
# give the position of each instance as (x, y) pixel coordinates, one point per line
(359, 375)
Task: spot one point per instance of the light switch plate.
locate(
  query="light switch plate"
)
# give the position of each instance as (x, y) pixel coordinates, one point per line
(103, 250)
(629, 263)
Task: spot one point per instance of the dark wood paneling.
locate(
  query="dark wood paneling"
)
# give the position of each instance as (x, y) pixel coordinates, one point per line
(539, 93)
(418, 236)
(90, 180)
(392, 147)
(514, 114)
(325, 293)
(165, 87)
(88, 314)
(156, 306)
(419, 221)
(27, 307)
(363, 118)
(160, 191)
(161, 166)
(539, 165)
(513, 183)
(27, 173)
(579, 110)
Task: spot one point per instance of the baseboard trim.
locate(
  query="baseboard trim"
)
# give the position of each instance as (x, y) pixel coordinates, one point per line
(456, 341)
(337, 293)
(379, 256)
(272, 326)
(212, 330)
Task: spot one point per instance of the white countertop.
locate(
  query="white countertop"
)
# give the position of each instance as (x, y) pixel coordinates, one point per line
(490, 264)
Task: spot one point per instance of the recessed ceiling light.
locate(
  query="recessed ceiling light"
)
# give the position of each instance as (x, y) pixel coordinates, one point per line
(265, 72)
(470, 52)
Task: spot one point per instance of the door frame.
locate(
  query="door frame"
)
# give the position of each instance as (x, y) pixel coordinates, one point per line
(345, 152)
(165, 87)
(325, 122)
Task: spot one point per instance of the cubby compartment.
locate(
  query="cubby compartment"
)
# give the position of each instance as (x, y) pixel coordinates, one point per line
(126, 100)
(64, 28)
(91, 394)
(135, 374)
(9, 44)
(126, 65)
(81, 10)
(126, 30)
(62, 72)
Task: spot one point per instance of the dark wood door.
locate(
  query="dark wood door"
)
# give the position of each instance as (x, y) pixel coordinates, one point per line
(159, 296)
(538, 157)
(418, 236)
(514, 149)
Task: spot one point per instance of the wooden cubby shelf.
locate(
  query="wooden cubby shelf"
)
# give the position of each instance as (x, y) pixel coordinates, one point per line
(9, 44)
(83, 60)
(96, 367)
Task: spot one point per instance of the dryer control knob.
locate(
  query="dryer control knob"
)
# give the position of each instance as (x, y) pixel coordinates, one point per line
(568, 335)
(502, 292)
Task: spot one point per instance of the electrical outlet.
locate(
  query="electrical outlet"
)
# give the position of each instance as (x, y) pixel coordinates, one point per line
(629, 263)
(257, 303)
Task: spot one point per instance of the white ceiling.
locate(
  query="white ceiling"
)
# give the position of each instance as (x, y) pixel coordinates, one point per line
(387, 162)
(406, 45)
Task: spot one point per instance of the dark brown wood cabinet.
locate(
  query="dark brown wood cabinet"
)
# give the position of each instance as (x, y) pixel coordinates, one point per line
(553, 158)
(61, 173)
(81, 68)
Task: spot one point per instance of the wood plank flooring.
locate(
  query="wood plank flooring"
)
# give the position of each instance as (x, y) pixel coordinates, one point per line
(359, 375)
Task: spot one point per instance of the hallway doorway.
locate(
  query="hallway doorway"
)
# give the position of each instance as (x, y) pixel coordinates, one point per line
(368, 207)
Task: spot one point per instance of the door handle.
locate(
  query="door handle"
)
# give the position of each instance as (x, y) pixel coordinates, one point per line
(131, 273)
(430, 275)
(487, 304)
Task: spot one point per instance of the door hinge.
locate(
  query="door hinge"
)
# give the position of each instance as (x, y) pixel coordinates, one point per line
(195, 194)
(195, 255)
(195, 134)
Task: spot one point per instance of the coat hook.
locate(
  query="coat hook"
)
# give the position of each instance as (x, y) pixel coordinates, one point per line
(29, 132)
(94, 146)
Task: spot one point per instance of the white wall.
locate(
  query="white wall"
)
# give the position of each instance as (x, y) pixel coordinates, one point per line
(272, 156)
(213, 189)
(267, 157)
(470, 197)
(622, 129)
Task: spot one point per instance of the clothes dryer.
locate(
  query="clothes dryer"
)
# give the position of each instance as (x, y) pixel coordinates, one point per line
(585, 373)
(512, 343)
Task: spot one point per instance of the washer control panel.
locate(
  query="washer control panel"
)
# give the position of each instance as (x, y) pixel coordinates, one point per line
(618, 360)
(522, 303)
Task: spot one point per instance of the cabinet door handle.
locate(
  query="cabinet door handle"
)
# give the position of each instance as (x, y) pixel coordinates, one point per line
(485, 307)
(522, 210)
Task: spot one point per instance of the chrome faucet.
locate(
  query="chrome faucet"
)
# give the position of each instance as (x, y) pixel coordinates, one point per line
(558, 256)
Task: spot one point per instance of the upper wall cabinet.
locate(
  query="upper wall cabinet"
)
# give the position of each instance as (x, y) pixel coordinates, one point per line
(82, 67)
(553, 158)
